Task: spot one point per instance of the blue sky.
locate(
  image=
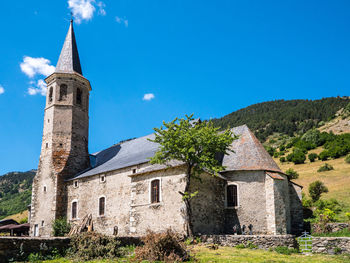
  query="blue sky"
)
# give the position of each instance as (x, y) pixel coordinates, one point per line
(204, 57)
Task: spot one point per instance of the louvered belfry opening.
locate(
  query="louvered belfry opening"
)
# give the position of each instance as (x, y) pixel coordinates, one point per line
(155, 191)
(232, 198)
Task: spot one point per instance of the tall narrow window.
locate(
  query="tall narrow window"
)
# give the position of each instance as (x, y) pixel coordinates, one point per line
(74, 209)
(155, 191)
(63, 92)
(231, 195)
(50, 94)
(102, 203)
(79, 96)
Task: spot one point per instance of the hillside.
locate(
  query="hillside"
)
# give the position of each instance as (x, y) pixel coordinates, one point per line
(288, 117)
(15, 192)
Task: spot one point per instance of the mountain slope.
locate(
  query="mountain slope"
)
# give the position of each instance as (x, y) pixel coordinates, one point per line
(285, 117)
(15, 192)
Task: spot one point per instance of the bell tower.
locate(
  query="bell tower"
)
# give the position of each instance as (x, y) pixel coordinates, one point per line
(64, 149)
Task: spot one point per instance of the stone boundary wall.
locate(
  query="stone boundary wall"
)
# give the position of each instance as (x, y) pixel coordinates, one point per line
(12, 248)
(261, 241)
(331, 245)
(19, 247)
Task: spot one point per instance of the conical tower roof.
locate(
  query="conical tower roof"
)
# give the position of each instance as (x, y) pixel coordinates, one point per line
(249, 153)
(69, 61)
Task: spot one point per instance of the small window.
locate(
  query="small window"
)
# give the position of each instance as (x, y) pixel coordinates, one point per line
(134, 171)
(47, 145)
(79, 96)
(50, 94)
(63, 92)
(76, 184)
(155, 191)
(74, 209)
(101, 206)
(44, 189)
(102, 178)
(42, 223)
(48, 120)
(232, 196)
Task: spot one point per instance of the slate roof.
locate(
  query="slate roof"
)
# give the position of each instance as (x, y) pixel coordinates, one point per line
(69, 61)
(249, 154)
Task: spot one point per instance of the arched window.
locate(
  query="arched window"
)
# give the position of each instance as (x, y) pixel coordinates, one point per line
(63, 92)
(79, 96)
(231, 195)
(74, 209)
(155, 191)
(50, 94)
(101, 206)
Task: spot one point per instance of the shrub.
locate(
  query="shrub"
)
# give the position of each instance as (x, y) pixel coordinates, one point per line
(166, 247)
(23, 220)
(331, 204)
(316, 189)
(312, 157)
(347, 158)
(348, 216)
(323, 156)
(282, 148)
(240, 246)
(286, 250)
(91, 245)
(270, 150)
(282, 159)
(60, 227)
(251, 245)
(297, 156)
(292, 174)
(324, 168)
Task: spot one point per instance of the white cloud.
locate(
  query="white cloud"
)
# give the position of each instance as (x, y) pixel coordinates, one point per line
(148, 96)
(38, 88)
(2, 90)
(101, 8)
(32, 66)
(84, 9)
(121, 20)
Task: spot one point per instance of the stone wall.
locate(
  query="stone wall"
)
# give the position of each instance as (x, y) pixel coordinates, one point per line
(282, 210)
(296, 209)
(208, 205)
(261, 241)
(251, 201)
(331, 245)
(12, 248)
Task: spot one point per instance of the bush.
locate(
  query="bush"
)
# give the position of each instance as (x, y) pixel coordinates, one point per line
(324, 168)
(292, 174)
(270, 150)
(348, 216)
(23, 220)
(60, 227)
(282, 159)
(166, 247)
(316, 189)
(312, 157)
(347, 158)
(286, 250)
(297, 156)
(323, 156)
(91, 245)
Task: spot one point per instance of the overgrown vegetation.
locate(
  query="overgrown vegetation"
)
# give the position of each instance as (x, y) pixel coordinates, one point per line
(316, 189)
(292, 174)
(15, 192)
(60, 227)
(290, 117)
(167, 247)
(91, 245)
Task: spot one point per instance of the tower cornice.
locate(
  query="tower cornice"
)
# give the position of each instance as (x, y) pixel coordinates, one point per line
(57, 75)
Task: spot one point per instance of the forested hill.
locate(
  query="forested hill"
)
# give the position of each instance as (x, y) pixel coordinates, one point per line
(15, 192)
(284, 116)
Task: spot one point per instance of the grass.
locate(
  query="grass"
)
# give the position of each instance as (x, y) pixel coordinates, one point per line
(342, 233)
(337, 180)
(230, 254)
(18, 217)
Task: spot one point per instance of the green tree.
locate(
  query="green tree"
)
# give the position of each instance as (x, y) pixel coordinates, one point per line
(60, 227)
(316, 189)
(312, 157)
(197, 144)
(292, 174)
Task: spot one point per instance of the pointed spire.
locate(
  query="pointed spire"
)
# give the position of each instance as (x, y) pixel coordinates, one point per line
(69, 61)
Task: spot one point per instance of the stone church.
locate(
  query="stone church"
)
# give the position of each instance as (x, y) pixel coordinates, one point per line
(120, 189)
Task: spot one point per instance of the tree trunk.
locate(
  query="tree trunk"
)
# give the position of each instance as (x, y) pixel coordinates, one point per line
(188, 217)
